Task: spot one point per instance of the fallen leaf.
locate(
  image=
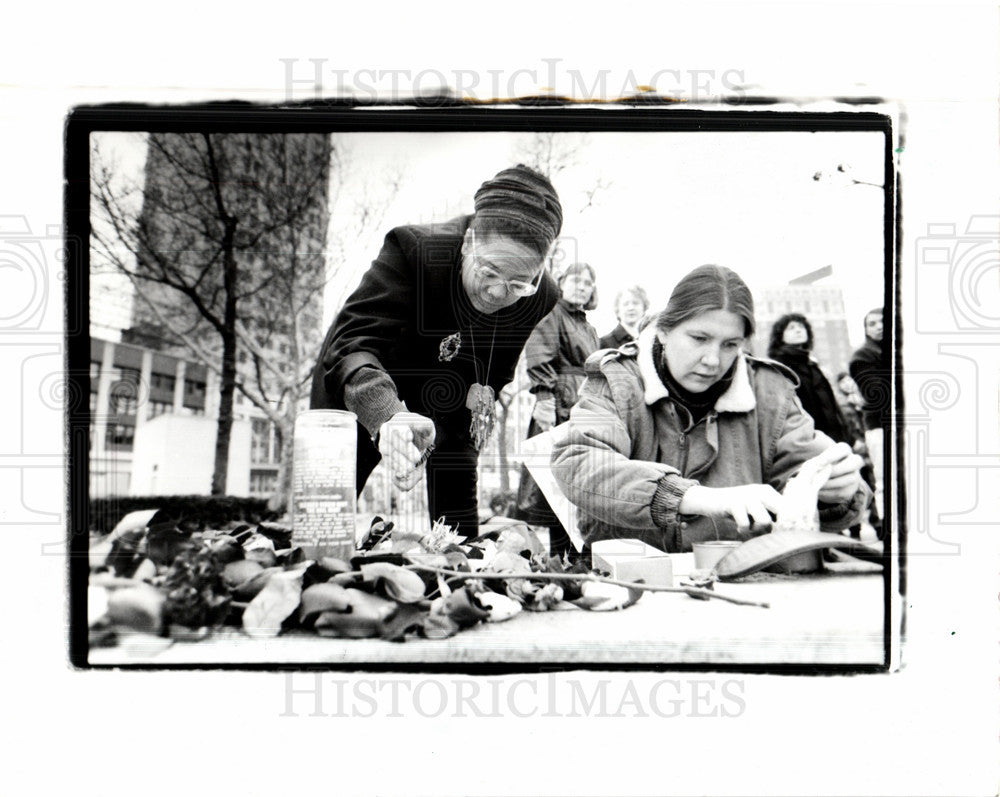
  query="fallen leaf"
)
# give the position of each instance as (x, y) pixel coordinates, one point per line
(498, 607)
(240, 571)
(97, 604)
(333, 564)
(455, 560)
(394, 581)
(482, 555)
(321, 598)
(408, 618)
(363, 618)
(462, 607)
(280, 535)
(164, 542)
(127, 552)
(544, 598)
(517, 538)
(348, 579)
(439, 626)
(250, 588)
(226, 550)
(181, 633)
(139, 608)
(507, 562)
(288, 557)
(260, 549)
(273, 604)
(145, 570)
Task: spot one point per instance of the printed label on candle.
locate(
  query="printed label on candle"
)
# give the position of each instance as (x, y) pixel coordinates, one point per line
(323, 484)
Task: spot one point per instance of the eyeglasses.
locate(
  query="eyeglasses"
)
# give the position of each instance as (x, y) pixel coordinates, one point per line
(516, 287)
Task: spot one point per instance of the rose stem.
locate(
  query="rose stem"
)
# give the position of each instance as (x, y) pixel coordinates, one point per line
(694, 592)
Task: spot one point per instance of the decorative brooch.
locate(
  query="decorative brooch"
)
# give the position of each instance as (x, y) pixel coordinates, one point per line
(449, 347)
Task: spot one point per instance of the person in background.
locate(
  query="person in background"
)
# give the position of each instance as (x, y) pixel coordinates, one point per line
(791, 345)
(434, 331)
(554, 355)
(849, 400)
(681, 437)
(631, 305)
(869, 368)
(850, 403)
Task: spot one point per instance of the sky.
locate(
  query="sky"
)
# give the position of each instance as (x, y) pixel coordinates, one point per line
(668, 202)
(673, 201)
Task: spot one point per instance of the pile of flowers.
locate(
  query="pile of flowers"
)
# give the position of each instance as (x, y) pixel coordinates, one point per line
(184, 584)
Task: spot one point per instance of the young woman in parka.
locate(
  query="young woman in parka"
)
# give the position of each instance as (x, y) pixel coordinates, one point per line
(681, 437)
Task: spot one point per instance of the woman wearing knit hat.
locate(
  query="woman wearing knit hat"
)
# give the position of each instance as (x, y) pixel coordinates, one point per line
(434, 331)
(554, 355)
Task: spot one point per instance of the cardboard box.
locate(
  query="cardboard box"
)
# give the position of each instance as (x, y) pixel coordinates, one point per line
(634, 560)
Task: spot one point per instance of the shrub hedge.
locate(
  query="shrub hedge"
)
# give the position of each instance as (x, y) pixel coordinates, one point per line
(206, 511)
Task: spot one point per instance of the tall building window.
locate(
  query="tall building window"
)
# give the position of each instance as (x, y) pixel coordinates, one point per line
(263, 482)
(260, 441)
(265, 442)
(159, 408)
(194, 389)
(165, 382)
(119, 435)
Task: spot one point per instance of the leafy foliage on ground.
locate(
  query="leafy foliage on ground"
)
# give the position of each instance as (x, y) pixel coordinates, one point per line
(170, 580)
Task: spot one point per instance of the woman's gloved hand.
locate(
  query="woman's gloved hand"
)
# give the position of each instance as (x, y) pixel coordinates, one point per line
(402, 441)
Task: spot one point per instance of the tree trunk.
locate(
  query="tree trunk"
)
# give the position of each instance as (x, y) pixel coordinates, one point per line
(228, 377)
(284, 494)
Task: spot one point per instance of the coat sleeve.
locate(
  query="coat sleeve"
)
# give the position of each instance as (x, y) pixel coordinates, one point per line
(368, 327)
(591, 462)
(798, 441)
(541, 356)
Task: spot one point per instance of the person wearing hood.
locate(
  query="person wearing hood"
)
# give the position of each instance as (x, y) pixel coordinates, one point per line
(434, 331)
(680, 437)
(554, 356)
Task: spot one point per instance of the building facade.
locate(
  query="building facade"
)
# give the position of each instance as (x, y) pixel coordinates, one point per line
(823, 306)
(148, 396)
(153, 423)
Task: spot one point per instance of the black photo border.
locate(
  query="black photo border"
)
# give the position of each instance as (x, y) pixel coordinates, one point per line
(529, 115)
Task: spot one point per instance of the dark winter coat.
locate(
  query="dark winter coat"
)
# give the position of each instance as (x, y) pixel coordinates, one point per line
(871, 373)
(388, 345)
(554, 355)
(626, 457)
(408, 302)
(815, 392)
(618, 336)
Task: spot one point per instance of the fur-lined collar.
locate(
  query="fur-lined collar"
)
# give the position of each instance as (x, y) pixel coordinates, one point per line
(739, 397)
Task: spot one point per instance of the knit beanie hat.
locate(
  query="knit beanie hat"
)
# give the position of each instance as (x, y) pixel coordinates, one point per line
(522, 195)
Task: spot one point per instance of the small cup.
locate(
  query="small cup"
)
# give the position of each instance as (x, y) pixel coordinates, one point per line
(707, 554)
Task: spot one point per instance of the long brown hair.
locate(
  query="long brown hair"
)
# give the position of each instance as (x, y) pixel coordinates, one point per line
(707, 288)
